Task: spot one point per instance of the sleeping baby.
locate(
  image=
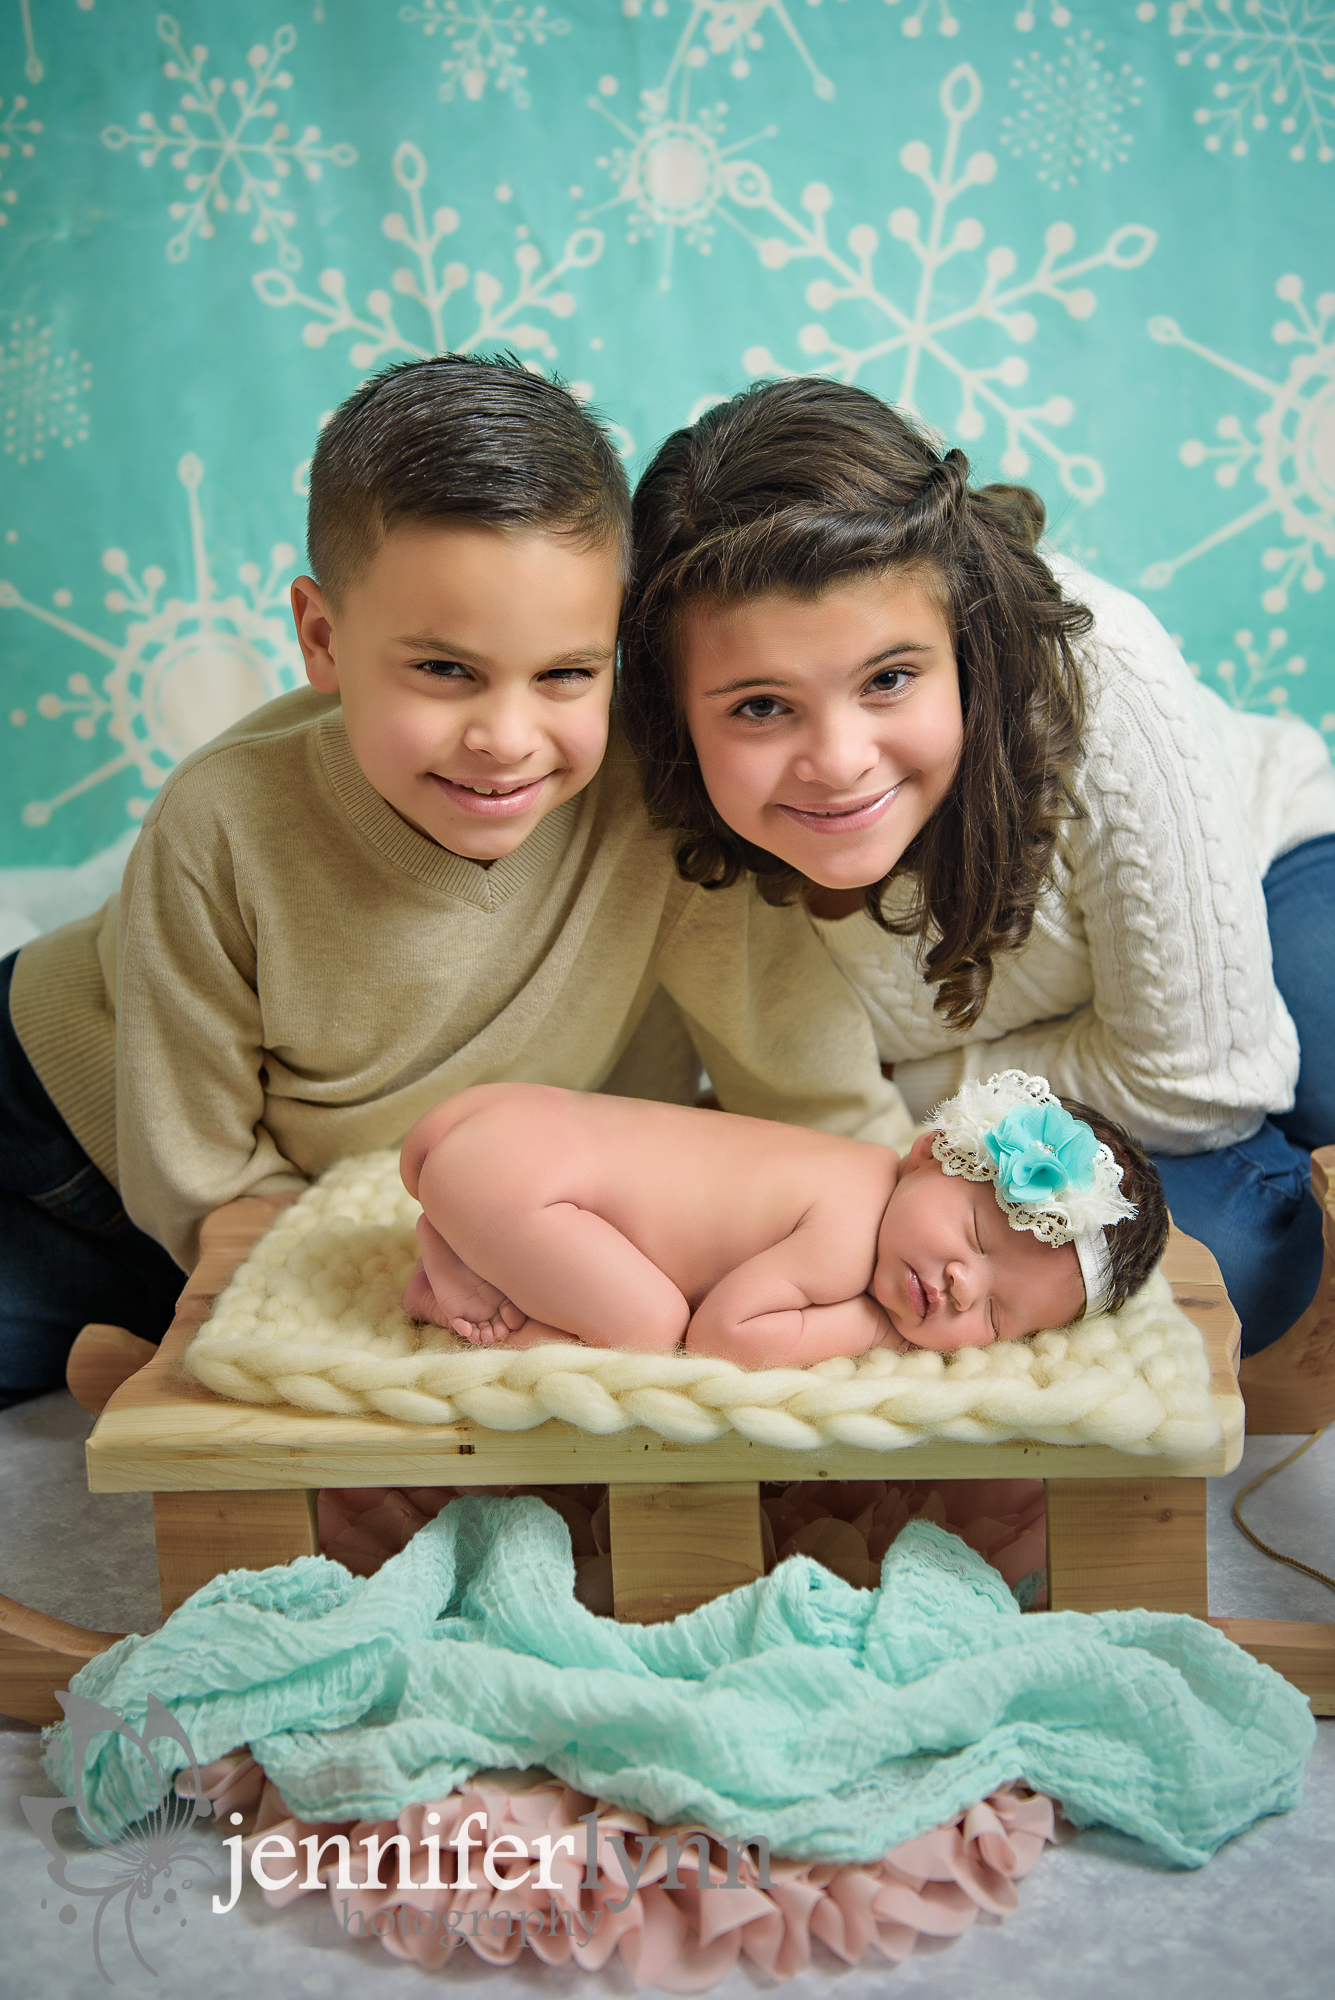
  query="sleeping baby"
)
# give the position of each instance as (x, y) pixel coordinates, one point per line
(556, 1214)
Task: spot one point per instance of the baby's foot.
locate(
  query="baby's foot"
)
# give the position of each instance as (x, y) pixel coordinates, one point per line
(445, 1292)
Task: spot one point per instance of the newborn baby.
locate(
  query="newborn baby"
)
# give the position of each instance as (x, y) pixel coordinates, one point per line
(554, 1214)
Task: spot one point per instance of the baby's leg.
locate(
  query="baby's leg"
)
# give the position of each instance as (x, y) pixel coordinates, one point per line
(444, 1291)
(571, 1270)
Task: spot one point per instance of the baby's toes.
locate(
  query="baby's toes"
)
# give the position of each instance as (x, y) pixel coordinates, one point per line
(469, 1330)
(511, 1315)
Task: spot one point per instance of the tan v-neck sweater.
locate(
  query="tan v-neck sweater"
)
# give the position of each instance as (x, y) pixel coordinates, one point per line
(291, 974)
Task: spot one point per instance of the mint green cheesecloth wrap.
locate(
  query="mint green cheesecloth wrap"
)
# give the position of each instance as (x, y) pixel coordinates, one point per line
(833, 1722)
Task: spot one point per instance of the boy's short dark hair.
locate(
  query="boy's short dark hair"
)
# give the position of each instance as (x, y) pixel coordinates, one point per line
(1136, 1244)
(454, 438)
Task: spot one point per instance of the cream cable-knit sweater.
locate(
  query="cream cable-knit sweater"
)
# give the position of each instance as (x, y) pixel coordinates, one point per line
(291, 975)
(1145, 987)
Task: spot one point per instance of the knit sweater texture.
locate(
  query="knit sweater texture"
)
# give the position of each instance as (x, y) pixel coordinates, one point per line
(1145, 987)
(291, 974)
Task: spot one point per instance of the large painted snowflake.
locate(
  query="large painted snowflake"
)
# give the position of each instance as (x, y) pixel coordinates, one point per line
(241, 167)
(1288, 450)
(41, 392)
(673, 175)
(1273, 65)
(376, 330)
(185, 668)
(923, 319)
(16, 136)
(484, 38)
(1071, 110)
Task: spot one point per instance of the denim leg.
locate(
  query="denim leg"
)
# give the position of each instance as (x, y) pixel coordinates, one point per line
(68, 1251)
(1300, 904)
(1251, 1205)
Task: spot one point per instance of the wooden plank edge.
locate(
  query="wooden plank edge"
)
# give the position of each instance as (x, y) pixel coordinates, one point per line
(1304, 1652)
(39, 1654)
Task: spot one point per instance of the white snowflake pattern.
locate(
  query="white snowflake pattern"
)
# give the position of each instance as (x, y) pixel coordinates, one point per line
(430, 287)
(731, 28)
(485, 38)
(259, 148)
(41, 392)
(1255, 681)
(923, 318)
(1071, 110)
(1027, 18)
(673, 175)
(16, 135)
(33, 66)
(1273, 62)
(184, 670)
(1289, 449)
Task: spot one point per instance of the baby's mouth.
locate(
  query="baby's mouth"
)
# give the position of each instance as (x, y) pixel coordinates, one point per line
(916, 1290)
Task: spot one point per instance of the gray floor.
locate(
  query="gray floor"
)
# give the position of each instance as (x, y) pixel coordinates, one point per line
(1099, 1918)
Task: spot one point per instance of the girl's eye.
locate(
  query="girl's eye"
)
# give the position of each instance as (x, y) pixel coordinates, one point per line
(894, 680)
(760, 708)
(567, 677)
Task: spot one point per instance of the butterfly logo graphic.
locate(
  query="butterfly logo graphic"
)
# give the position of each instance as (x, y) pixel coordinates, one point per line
(146, 1847)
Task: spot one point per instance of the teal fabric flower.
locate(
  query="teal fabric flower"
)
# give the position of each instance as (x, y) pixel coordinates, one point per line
(1040, 1151)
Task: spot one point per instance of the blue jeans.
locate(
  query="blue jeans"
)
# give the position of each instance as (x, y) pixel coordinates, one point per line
(1251, 1203)
(68, 1251)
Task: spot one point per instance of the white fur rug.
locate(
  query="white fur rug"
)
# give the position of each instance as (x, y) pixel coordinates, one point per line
(312, 1319)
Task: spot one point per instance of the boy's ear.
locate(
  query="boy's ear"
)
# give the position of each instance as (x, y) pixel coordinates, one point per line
(315, 634)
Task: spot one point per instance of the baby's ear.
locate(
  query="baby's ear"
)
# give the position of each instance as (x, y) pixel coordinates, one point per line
(920, 1152)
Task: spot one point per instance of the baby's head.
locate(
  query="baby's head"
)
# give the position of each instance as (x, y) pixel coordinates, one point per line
(1019, 1211)
(469, 536)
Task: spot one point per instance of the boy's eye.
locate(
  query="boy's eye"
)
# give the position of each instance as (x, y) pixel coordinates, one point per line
(759, 708)
(443, 670)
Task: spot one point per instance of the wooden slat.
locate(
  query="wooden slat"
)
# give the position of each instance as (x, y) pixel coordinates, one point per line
(199, 1535)
(1119, 1544)
(163, 1431)
(1290, 1387)
(675, 1547)
(1303, 1653)
(38, 1655)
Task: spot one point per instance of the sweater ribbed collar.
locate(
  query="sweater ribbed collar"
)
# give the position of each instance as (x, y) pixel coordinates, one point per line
(427, 862)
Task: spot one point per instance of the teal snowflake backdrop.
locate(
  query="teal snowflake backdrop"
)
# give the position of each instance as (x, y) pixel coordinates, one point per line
(1091, 243)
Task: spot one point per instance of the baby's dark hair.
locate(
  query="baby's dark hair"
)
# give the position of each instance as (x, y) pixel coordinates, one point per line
(1135, 1244)
(458, 439)
(795, 486)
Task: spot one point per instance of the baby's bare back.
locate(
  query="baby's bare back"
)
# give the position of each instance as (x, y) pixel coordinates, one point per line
(697, 1192)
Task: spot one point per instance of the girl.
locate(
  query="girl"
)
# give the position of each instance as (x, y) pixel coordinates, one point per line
(1026, 834)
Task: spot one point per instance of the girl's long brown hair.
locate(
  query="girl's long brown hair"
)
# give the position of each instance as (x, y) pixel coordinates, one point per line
(794, 486)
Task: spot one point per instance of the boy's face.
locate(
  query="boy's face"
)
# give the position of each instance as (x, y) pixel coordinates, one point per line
(475, 670)
(950, 1270)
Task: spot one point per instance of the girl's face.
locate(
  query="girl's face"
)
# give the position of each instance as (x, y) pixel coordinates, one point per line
(828, 729)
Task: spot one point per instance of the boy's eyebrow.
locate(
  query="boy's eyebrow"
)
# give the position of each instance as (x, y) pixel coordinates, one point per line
(777, 680)
(431, 642)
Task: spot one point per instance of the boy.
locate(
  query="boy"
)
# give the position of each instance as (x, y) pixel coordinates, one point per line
(548, 1215)
(416, 875)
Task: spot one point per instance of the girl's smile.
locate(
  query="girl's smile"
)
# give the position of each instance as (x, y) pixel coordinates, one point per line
(828, 729)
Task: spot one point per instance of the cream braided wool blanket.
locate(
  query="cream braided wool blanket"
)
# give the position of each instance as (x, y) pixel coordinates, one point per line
(312, 1318)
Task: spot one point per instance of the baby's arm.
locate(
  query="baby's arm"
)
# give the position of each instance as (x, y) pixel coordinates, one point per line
(762, 1316)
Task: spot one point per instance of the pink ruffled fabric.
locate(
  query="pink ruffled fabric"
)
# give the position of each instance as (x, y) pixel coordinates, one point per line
(845, 1524)
(682, 1939)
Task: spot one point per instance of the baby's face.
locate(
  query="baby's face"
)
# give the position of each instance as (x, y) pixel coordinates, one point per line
(950, 1270)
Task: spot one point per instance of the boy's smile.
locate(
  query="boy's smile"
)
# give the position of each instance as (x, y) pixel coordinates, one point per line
(474, 666)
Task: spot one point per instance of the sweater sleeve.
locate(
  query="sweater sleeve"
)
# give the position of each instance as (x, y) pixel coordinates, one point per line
(189, 1056)
(1186, 1039)
(776, 1024)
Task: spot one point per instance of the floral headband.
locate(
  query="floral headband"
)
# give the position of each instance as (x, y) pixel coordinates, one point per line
(1049, 1172)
